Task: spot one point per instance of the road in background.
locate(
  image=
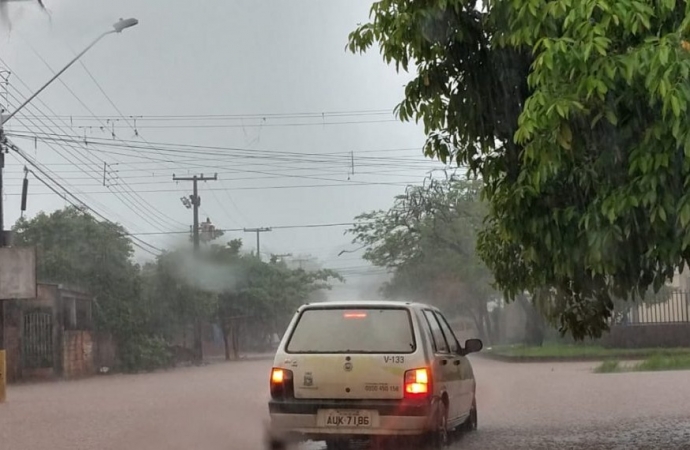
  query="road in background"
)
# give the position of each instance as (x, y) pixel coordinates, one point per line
(223, 406)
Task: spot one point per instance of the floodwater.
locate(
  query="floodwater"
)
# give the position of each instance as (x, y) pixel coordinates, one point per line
(223, 406)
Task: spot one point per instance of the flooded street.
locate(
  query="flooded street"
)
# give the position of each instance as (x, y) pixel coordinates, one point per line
(223, 406)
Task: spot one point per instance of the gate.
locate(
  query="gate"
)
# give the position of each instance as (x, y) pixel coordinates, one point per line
(37, 351)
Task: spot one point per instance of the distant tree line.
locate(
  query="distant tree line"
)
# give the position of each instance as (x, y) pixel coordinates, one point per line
(144, 306)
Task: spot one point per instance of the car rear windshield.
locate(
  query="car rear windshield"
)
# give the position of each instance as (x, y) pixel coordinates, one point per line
(347, 330)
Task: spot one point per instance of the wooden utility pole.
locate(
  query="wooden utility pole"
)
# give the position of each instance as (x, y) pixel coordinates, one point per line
(258, 232)
(196, 202)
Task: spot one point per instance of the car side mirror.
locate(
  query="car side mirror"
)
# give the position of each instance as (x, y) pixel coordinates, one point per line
(473, 346)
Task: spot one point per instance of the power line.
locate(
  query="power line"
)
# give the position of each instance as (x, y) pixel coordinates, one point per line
(125, 201)
(260, 188)
(136, 199)
(276, 227)
(312, 114)
(135, 240)
(263, 125)
(341, 156)
(62, 155)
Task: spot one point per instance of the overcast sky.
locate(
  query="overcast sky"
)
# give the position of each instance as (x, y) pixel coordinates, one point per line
(260, 91)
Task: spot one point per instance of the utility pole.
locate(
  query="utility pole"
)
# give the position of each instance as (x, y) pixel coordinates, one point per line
(4, 80)
(280, 256)
(195, 203)
(258, 232)
(302, 260)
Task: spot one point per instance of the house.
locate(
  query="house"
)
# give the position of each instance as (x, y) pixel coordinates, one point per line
(49, 336)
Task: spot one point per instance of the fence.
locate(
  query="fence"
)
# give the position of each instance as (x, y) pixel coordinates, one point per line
(38, 340)
(674, 310)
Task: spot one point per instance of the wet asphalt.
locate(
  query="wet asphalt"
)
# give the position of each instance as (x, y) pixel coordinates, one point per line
(223, 406)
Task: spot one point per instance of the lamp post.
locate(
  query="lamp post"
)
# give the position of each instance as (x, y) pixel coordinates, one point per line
(118, 27)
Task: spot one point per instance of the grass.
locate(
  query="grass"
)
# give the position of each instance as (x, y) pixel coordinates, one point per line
(653, 363)
(659, 362)
(573, 351)
(609, 366)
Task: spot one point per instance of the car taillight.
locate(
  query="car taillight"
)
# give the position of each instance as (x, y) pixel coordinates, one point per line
(281, 383)
(417, 383)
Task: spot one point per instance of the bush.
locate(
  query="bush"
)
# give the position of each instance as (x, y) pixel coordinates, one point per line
(665, 362)
(609, 366)
(144, 353)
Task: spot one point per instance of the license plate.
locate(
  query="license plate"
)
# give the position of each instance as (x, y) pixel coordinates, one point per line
(346, 418)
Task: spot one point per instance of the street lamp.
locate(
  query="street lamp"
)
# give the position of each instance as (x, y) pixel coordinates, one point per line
(118, 27)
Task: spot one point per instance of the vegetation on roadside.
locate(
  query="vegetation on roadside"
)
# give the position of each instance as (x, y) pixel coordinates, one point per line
(610, 366)
(573, 117)
(427, 240)
(146, 307)
(576, 351)
(656, 362)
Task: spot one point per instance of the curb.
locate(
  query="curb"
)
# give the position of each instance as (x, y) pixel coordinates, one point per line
(545, 359)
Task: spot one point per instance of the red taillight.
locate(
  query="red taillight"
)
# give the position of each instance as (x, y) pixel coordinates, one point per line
(277, 376)
(417, 383)
(355, 315)
(281, 383)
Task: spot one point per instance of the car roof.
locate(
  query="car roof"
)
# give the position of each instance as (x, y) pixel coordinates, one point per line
(368, 304)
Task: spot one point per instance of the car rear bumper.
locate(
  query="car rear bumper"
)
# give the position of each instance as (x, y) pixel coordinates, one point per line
(298, 418)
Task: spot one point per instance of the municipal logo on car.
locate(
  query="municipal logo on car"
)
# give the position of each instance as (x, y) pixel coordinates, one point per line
(308, 379)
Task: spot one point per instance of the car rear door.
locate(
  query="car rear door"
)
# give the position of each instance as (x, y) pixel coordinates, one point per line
(351, 353)
(446, 374)
(464, 378)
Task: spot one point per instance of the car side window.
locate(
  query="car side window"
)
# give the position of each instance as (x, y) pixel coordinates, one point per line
(440, 344)
(448, 331)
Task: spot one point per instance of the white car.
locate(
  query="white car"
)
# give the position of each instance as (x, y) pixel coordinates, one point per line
(350, 370)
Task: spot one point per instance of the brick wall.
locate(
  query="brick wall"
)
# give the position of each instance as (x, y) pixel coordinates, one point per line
(77, 354)
(648, 336)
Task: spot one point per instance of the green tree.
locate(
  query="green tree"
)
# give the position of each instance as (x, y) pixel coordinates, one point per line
(263, 295)
(573, 115)
(428, 239)
(176, 297)
(73, 248)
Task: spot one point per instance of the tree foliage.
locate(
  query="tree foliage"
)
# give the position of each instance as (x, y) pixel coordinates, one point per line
(73, 248)
(428, 239)
(146, 307)
(264, 295)
(573, 115)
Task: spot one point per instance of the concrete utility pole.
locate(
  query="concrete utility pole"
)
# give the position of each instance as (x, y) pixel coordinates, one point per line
(118, 27)
(4, 80)
(301, 261)
(195, 203)
(258, 232)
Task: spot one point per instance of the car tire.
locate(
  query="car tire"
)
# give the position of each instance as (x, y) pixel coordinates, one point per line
(471, 422)
(440, 437)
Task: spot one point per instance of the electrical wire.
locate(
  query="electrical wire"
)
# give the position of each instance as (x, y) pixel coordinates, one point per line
(79, 203)
(259, 188)
(136, 199)
(126, 202)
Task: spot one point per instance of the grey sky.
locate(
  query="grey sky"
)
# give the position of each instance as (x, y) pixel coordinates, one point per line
(239, 58)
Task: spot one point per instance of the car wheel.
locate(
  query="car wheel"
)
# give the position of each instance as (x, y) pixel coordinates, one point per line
(472, 421)
(440, 437)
